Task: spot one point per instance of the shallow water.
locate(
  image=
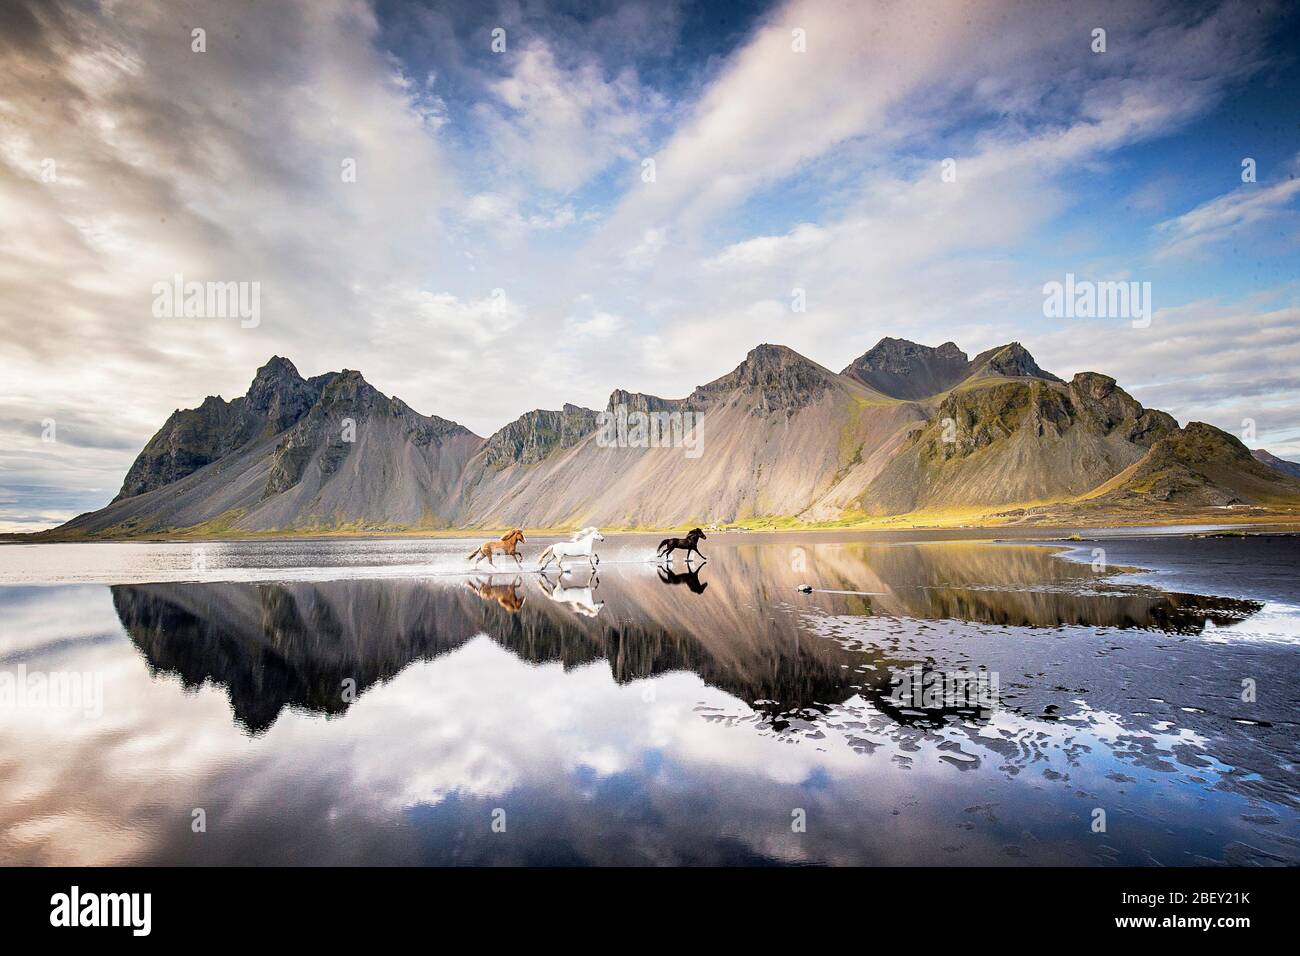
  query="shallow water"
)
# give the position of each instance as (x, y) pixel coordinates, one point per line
(369, 702)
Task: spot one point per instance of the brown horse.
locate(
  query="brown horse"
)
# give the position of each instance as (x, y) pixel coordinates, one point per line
(509, 544)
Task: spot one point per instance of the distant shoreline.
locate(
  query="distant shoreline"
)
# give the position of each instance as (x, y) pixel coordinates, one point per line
(1194, 523)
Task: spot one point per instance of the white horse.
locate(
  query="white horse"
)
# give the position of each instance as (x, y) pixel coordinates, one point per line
(579, 546)
(580, 600)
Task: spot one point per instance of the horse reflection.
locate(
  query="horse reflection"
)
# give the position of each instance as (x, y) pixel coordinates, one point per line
(579, 600)
(690, 578)
(507, 595)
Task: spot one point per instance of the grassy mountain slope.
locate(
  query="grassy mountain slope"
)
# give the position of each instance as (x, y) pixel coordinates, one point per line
(996, 439)
(1199, 466)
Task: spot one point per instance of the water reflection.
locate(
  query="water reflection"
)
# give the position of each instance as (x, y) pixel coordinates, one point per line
(649, 716)
(506, 595)
(689, 578)
(580, 600)
(297, 644)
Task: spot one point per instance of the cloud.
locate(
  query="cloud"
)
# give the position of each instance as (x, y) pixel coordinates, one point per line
(882, 73)
(600, 325)
(1226, 218)
(561, 125)
(520, 172)
(1012, 93)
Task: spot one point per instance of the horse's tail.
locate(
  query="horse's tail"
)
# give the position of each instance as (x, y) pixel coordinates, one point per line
(546, 555)
(473, 554)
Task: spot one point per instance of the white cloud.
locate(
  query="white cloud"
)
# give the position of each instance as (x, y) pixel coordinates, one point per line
(563, 125)
(775, 170)
(600, 324)
(1225, 217)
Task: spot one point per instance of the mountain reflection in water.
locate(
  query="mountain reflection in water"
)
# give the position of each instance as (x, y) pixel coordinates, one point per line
(295, 644)
(652, 715)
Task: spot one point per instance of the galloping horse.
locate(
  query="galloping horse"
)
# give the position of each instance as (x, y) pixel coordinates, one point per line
(579, 546)
(509, 544)
(688, 544)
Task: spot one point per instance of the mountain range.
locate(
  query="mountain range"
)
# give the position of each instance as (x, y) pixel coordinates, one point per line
(906, 434)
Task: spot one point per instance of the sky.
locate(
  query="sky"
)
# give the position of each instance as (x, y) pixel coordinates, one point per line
(492, 207)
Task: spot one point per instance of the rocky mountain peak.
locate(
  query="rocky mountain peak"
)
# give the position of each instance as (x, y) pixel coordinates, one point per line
(350, 388)
(781, 377)
(902, 355)
(1265, 457)
(277, 397)
(1012, 360)
(1099, 399)
(1202, 441)
(277, 368)
(907, 370)
(1096, 386)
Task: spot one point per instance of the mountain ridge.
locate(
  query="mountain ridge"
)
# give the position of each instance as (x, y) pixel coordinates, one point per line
(905, 429)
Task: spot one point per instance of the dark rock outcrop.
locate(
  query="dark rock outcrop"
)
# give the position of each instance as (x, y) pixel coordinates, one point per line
(911, 372)
(192, 438)
(1012, 361)
(779, 377)
(534, 435)
(902, 369)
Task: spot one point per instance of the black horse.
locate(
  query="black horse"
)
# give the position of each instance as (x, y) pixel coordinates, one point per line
(691, 579)
(688, 544)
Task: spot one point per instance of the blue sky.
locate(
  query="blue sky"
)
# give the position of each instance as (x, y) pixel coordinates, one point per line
(500, 251)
